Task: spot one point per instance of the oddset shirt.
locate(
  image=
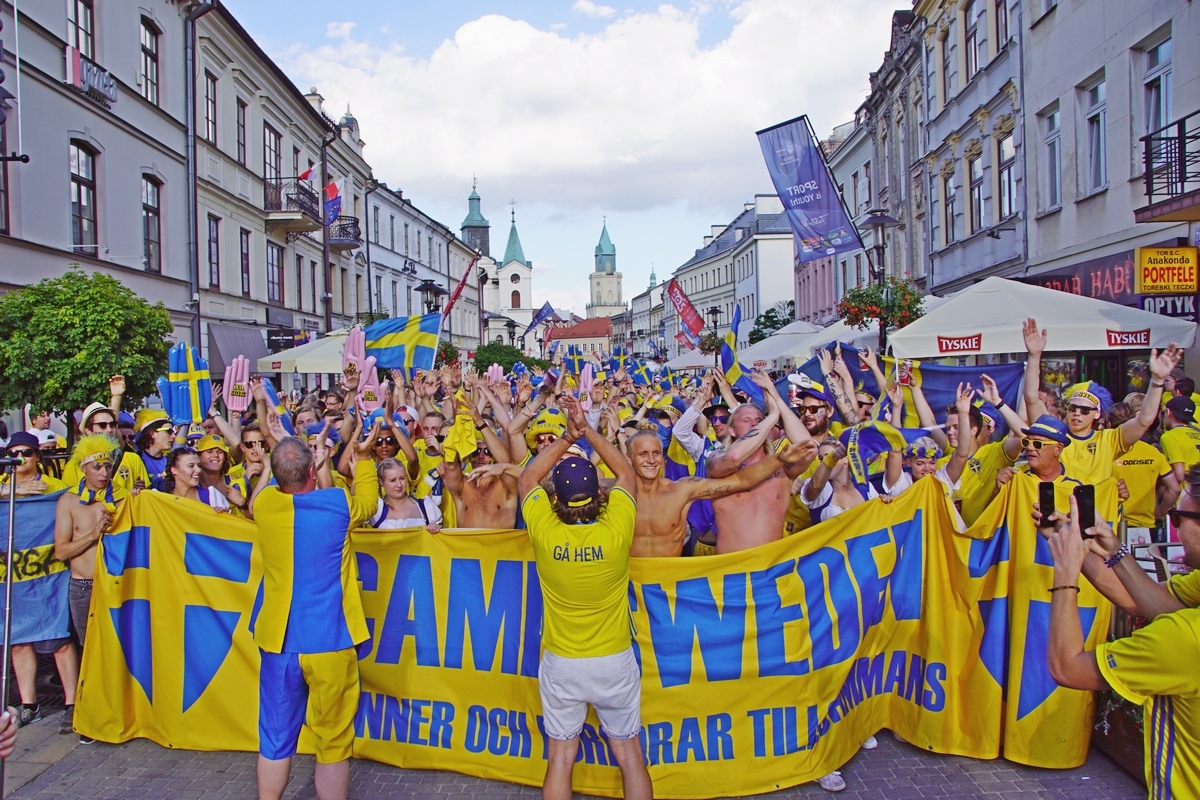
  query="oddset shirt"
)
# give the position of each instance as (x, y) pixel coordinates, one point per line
(584, 573)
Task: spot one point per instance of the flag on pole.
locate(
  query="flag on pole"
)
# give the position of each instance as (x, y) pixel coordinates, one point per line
(309, 174)
(462, 284)
(408, 343)
(544, 313)
(553, 350)
(687, 312)
(683, 339)
(39, 590)
(737, 375)
(333, 201)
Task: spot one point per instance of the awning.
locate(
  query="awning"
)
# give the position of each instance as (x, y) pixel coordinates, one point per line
(777, 345)
(986, 318)
(692, 359)
(226, 342)
(321, 356)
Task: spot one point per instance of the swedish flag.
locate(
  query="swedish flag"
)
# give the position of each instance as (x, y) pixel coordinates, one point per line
(619, 359)
(574, 359)
(737, 375)
(187, 390)
(408, 343)
(867, 440)
(274, 401)
(640, 373)
(666, 379)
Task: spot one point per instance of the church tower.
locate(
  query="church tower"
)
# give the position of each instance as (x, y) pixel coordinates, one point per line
(476, 231)
(605, 280)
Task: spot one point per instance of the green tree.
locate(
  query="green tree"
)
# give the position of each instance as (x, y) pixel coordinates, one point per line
(771, 320)
(61, 339)
(498, 353)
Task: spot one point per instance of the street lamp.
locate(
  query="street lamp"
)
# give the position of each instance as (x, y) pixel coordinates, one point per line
(431, 295)
(878, 221)
(541, 347)
(512, 331)
(521, 342)
(714, 314)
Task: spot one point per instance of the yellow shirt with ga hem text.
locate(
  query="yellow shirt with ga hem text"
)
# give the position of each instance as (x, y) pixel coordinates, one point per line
(1156, 667)
(584, 573)
(1181, 445)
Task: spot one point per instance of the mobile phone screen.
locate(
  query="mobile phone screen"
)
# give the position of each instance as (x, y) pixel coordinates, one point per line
(1046, 503)
(1085, 497)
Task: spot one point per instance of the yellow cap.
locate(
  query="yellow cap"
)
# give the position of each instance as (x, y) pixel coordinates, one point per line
(147, 415)
(210, 441)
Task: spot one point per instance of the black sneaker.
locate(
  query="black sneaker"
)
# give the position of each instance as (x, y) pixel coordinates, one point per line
(86, 739)
(28, 714)
(67, 723)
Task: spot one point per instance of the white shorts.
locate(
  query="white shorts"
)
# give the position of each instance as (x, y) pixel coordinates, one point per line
(610, 684)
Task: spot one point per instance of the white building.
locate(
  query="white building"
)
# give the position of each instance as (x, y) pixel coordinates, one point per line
(507, 291)
(642, 327)
(605, 282)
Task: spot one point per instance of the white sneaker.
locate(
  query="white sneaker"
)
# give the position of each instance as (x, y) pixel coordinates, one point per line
(870, 743)
(899, 738)
(832, 782)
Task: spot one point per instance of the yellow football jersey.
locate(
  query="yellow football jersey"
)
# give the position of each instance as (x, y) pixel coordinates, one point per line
(1090, 459)
(1181, 445)
(1141, 468)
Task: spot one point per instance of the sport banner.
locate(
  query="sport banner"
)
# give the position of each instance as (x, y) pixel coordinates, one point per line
(689, 317)
(781, 659)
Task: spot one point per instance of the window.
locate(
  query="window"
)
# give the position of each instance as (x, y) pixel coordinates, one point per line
(514, 278)
(408, 300)
(295, 162)
(1001, 24)
(395, 305)
(935, 221)
(149, 61)
(210, 107)
(1053, 149)
(83, 198)
(274, 273)
(858, 276)
(312, 274)
(272, 155)
(241, 131)
(375, 224)
(951, 210)
(516, 299)
(930, 82)
(392, 231)
(151, 225)
(429, 249)
(245, 261)
(418, 245)
(214, 252)
(1006, 158)
(378, 294)
(868, 196)
(945, 49)
(1096, 115)
(81, 24)
(975, 171)
(3, 183)
(1157, 83)
(406, 244)
(972, 41)
(299, 282)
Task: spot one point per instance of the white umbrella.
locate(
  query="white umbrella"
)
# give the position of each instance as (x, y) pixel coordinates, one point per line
(986, 318)
(322, 356)
(692, 359)
(777, 346)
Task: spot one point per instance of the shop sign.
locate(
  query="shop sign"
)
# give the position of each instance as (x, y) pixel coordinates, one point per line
(88, 77)
(1179, 306)
(1165, 270)
(1108, 278)
(960, 344)
(1129, 338)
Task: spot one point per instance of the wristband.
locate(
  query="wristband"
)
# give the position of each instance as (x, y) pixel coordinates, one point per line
(1154, 385)
(480, 427)
(1001, 404)
(1054, 589)
(1116, 557)
(827, 461)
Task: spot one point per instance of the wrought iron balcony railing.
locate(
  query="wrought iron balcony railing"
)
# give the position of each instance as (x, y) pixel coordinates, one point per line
(1171, 158)
(290, 194)
(345, 230)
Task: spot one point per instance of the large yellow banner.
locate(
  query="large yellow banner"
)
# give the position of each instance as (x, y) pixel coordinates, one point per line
(761, 669)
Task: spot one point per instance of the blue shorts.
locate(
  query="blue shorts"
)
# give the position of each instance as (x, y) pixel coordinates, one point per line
(322, 686)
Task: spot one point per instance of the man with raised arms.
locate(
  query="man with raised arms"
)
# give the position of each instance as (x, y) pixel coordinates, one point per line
(748, 519)
(661, 528)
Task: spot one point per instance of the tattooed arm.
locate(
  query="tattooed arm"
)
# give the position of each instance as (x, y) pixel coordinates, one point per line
(730, 460)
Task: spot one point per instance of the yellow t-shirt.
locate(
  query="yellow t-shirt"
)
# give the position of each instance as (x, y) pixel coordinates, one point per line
(1156, 667)
(53, 484)
(1186, 588)
(1181, 445)
(584, 572)
(978, 482)
(1141, 468)
(1090, 460)
(1167, 396)
(428, 465)
(131, 470)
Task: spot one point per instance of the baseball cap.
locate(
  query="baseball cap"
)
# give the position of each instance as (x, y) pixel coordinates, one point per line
(46, 436)
(148, 417)
(209, 442)
(1049, 427)
(576, 482)
(23, 439)
(1182, 408)
(806, 385)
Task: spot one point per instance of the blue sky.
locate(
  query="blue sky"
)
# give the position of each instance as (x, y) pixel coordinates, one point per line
(576, 110)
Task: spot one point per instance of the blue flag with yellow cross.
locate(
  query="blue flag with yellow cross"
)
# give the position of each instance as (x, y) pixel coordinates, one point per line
(39, 590)
(407, 343)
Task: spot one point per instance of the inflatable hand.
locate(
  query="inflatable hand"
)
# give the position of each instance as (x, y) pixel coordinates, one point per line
(370, 393)
(164, 391)
(187, 393)
(495, 373)
(235, 390)
(519, 369)
(354, 353)
(586, 379)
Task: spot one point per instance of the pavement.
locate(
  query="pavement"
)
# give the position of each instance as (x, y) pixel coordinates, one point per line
(50, 765)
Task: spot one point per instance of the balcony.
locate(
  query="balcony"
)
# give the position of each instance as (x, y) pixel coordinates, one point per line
(292, 206)
(1171, 157)
(344, 234)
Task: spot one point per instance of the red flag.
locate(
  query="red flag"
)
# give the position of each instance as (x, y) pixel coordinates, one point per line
(682, 338)
(684, 308)
(462, 284)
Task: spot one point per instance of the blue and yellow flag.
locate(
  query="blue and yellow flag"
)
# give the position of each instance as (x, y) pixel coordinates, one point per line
(574, 359)
(619, 359)
(640, 372)
(274, 401)
(939, 382)
(39, 590)
(867, 441)
(407, 343)
(737, 375)
(187, 390)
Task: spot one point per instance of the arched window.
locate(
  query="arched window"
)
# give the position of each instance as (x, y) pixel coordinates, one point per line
(516, 299)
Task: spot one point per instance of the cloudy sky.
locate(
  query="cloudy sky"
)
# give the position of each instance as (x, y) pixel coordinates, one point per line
(578, 110)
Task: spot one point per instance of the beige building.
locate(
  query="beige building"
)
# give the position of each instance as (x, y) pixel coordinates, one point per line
(593, 336)
(604, 283)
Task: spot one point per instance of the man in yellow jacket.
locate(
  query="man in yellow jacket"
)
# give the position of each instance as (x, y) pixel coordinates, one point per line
(311, 616)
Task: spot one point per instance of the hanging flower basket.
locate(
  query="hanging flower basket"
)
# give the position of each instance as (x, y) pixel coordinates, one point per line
(897, 303)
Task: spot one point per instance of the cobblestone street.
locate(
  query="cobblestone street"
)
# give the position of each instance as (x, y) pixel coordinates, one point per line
(48, 765)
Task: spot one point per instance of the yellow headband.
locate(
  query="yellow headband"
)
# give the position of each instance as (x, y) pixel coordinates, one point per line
(579, 503)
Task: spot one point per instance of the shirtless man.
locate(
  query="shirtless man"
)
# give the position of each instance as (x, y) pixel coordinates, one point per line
(661, 526)
(80, 519)
(483, 499)
(756, 517)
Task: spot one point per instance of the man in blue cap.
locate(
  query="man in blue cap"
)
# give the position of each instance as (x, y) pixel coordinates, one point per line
(581, 542)
(1043, 443)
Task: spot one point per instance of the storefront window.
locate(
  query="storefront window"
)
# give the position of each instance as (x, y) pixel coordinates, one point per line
(1059, 373)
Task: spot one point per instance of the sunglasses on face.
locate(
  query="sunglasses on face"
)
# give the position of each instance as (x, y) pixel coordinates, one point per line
(722, 418)
(813, 410)
(1074, 409)
(406, 421)
(255, 445)
(483, 451)
(441, 437)
(103, 426)
(389, 440)
(23, 453)
(1036, 444)
(865, 403)
(1176, 514)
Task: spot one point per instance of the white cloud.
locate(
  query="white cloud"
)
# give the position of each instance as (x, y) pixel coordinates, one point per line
(339, 30)
(568, 299)
(633, 117)
(588, 8)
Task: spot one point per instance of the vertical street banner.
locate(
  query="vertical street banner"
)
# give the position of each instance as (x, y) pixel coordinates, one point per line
(811, 201)
(687, 312)
(39, 579)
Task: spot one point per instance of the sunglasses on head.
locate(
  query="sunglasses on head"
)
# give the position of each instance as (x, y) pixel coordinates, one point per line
(1074, 409)
(811, 410)
(1176, 514)
(1036, 444)
(22, 453)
